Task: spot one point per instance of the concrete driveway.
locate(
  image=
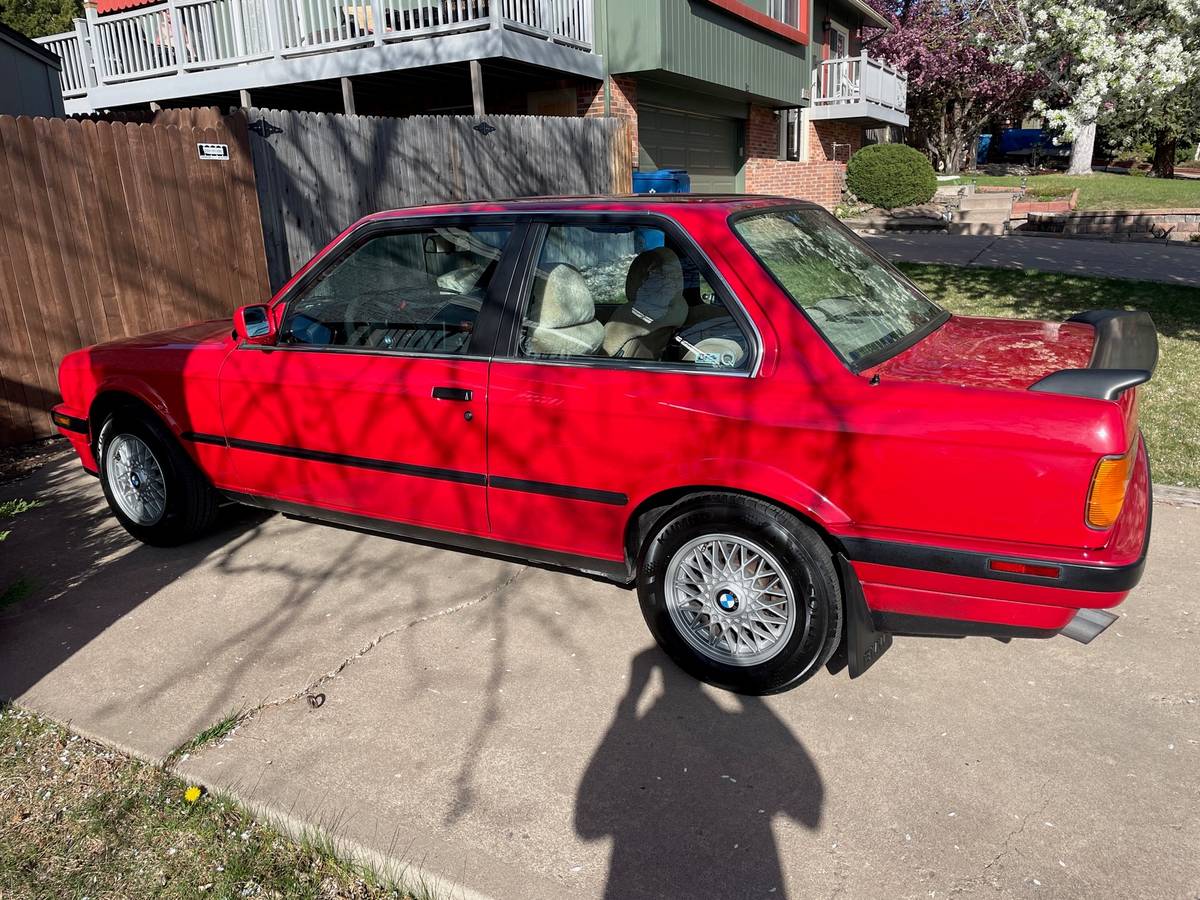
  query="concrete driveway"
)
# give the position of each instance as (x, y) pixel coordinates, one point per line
(514, 732)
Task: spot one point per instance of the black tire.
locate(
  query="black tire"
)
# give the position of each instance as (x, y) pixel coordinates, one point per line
(191, 502)
(806, 562)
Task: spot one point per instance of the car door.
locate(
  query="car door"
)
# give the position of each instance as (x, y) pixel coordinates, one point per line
(622, 364)
(373, 399)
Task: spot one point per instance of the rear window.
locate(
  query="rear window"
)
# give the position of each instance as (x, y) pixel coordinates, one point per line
(864, 308)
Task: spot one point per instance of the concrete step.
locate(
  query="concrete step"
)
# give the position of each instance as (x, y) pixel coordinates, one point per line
(993, 228)
(986, 201)
(981, 215)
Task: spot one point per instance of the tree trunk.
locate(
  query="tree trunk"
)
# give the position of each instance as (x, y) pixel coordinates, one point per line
(1164, 155)
(1082, 150)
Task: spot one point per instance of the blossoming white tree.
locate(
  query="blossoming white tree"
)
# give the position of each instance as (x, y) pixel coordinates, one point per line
(1099, 58)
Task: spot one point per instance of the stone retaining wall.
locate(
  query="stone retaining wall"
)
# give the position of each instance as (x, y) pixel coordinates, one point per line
(1152, 224)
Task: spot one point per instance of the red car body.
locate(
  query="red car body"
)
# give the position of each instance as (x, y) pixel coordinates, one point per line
(956, 492)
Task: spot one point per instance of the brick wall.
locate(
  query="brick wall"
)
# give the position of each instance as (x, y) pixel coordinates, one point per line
(823, 135)
(622, 103)
(819, 180)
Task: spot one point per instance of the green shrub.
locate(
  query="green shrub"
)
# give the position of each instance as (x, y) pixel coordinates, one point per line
(890, 175)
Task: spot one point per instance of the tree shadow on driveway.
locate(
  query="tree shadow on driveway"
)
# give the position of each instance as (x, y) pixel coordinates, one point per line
(688, 791)
(84, 572)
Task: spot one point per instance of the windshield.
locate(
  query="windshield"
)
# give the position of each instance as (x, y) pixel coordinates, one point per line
(861, 306)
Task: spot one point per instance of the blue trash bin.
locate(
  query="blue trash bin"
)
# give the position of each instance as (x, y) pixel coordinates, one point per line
(662, 181)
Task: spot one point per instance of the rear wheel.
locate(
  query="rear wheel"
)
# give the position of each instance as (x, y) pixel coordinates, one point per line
(741, 594)
(153, 487)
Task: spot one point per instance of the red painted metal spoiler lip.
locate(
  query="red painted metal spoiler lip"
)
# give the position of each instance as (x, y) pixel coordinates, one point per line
(1125, 355)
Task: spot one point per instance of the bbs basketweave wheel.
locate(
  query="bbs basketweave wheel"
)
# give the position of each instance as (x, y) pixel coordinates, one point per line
(741, 594)
(153, 487)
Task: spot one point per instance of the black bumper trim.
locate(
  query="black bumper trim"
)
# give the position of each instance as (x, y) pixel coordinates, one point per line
(1074, 576)
(932, 626)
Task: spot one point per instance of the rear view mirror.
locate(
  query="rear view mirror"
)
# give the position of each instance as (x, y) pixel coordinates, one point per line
(252, 325)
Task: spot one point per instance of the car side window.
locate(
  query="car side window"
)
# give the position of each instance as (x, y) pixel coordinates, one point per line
(626, 292)
(417, 291)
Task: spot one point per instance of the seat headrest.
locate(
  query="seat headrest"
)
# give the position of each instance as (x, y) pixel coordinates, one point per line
(562, 299)
(654, 285)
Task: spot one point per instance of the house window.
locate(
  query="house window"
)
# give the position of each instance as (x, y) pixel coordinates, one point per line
(786, 11)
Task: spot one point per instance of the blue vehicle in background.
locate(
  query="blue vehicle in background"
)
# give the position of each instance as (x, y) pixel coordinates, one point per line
(1027, 145)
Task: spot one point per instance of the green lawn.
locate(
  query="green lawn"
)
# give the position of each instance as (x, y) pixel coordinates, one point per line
(1103, 190)
(79, 820)
(1170, 414)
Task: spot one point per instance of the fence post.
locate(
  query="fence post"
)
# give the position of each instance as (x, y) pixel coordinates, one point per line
(496, 13)
(177, 35)
(85, 52)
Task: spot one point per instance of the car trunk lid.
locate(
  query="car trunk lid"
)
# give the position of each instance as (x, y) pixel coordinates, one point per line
(1011, 354)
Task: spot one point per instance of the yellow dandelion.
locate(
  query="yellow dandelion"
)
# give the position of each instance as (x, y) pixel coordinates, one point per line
(192, 794)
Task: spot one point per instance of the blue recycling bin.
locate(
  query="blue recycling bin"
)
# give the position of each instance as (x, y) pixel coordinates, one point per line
(662, 181)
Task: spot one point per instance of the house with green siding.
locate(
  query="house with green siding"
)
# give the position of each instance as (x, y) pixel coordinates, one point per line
(756, 96)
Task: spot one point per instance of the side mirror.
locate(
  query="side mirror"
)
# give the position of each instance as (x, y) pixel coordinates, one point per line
(252, 325)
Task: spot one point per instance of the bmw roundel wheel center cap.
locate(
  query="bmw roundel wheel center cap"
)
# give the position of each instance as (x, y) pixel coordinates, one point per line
(727, 600)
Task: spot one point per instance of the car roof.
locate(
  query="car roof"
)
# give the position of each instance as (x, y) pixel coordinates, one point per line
(724, 204)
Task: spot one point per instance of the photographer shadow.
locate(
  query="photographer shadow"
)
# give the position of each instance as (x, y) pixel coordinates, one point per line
(688, 791)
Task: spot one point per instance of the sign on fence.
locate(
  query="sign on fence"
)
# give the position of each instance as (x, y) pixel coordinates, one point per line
(213, 151)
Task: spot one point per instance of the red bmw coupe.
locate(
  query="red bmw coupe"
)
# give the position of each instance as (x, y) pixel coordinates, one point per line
(731, 402)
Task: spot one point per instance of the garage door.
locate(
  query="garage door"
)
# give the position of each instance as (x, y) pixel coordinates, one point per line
(706, 146)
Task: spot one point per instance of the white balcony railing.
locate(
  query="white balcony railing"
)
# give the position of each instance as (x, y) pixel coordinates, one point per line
(76, 67)
(179, 36)
(860, 79)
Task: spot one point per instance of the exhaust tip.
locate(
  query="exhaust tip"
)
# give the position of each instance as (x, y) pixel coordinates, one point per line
(1087, 624)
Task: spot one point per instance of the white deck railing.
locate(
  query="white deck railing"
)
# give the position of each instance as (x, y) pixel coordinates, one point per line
(860, 79)
(178, 36)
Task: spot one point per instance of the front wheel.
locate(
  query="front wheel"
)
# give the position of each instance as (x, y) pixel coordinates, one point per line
(153, 487)
(741, 594)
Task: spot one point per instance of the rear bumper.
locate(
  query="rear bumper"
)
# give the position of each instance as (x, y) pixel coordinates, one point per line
(925, 590)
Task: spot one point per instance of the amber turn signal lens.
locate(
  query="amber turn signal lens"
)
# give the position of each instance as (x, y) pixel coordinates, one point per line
(1107, 494)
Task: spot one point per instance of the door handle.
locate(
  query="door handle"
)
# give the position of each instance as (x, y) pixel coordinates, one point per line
(462, 395)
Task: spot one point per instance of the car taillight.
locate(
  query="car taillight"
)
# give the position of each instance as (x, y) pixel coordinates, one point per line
(1109, 483)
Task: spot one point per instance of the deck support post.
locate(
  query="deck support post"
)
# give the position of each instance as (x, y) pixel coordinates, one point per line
(244, 99)
(85, 52)
(348, 97)
(477, 88)
(177, 35)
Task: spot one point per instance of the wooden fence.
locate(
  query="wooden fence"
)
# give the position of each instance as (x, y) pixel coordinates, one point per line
(318, 173)
(110, 229)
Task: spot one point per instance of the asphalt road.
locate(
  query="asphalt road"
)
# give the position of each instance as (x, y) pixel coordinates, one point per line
(513, 731)
(1138, 260)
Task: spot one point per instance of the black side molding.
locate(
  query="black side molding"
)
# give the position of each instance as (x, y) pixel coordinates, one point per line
(1125, 355)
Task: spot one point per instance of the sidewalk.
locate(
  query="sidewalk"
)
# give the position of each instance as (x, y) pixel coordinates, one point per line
(1141, 261)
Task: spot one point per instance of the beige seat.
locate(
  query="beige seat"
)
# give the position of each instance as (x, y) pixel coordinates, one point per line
(562, 316)
(640, 328)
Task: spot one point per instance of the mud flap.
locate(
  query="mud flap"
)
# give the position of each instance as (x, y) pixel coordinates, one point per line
(862, 644)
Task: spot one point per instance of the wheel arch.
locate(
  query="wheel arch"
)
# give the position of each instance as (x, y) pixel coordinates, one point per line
(652, 510)
(110, 399)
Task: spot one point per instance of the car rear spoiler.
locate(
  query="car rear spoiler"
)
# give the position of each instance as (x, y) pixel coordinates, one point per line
(1124, 356)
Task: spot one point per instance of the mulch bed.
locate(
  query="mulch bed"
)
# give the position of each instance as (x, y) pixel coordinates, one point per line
(23, 459)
